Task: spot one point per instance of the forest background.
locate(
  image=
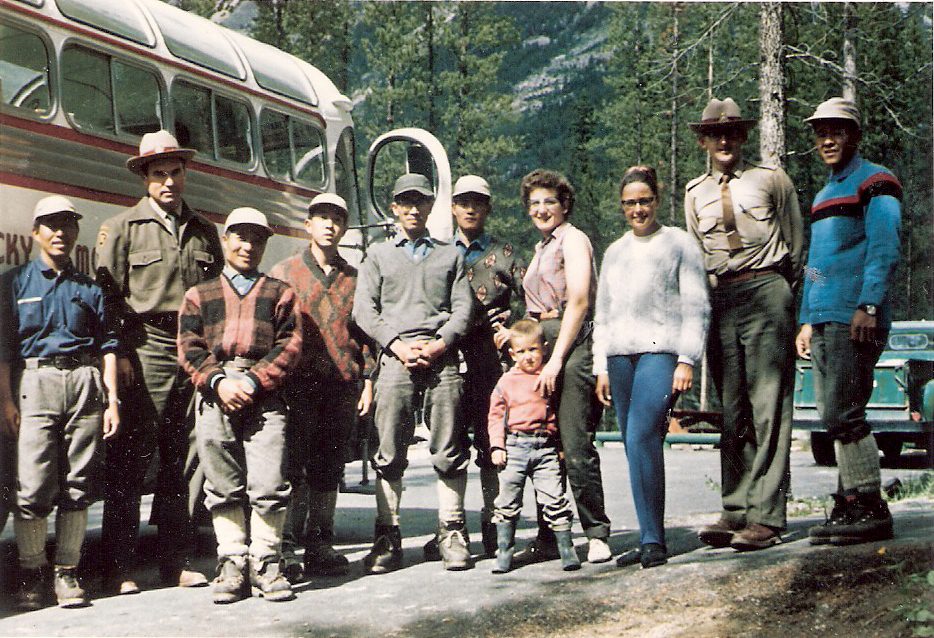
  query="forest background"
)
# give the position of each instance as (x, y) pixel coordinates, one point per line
(590, 88)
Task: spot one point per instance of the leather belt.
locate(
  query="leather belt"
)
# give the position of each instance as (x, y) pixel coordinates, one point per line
(746, 275)
(61, 361)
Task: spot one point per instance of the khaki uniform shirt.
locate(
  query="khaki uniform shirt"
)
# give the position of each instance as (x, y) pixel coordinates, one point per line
(768, 220)
(143, 268)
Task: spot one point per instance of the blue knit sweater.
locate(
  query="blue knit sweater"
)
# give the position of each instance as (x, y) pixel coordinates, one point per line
(855, 222)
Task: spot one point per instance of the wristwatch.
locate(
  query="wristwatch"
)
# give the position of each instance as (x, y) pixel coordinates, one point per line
(870, 309)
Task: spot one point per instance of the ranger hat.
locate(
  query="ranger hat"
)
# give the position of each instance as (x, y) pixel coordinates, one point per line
(246, 216)
(328, 199)
(471, 184)
(157, 146)
(412, 182)
(53, 204)
(721, 114)
(836, 108)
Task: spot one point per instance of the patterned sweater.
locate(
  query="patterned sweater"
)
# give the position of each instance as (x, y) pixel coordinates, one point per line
(333, 347)
(495, 275)
(216, 324)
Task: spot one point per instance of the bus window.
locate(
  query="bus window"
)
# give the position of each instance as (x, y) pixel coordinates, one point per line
(292, 149)
(104, 95)
(24, 69)
(193, 126)
(121, 18)
(200, 113)
(234, 126)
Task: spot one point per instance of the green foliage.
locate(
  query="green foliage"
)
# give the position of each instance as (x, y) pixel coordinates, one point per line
(919, 589)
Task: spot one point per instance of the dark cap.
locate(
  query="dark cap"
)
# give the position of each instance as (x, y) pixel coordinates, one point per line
(412, 182)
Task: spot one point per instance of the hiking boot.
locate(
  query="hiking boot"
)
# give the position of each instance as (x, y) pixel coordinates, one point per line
(598, 551)
(33, 589)
(652, 555)
(839, 516)
(322, 560)
(569, 560)
(231, 583)
(454, 543)
(505, 546)
(488, 537)
(386, 553)
(719, 534)
(755, 536)
(267, 577)
(68, 591)
(868, 519)
(538, 550)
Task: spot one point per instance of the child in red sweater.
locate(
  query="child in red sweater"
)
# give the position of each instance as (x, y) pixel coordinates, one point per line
(524, 443)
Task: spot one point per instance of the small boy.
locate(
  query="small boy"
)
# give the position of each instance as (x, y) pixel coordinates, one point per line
(239, 336)
(53, 332)
(327, 391)
(523, 430)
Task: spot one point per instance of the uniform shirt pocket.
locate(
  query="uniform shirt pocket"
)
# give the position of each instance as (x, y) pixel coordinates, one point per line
(145, 270)
(30, 315)
(204, 260)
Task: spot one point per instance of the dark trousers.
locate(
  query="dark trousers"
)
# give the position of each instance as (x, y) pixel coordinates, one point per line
(484, 369)
(751, 355)
(844, 371)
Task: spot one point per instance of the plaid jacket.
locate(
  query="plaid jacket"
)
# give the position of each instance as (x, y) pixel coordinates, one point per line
(216, 324)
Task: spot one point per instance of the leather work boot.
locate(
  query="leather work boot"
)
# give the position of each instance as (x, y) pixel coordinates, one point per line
(868, 519)
(320, 557)
(232, 583)
(454, 545)
(488, 535)
(33, 588)
(505, 546)
(68, 591)
(755, 536)
(569, 560)
(267, 577)
(719, 534)
(839, 516)
(386, 554)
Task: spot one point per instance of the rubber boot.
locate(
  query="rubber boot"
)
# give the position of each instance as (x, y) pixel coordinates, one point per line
(505, 546)
(569, 559)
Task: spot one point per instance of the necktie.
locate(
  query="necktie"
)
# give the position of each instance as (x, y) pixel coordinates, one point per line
(729, 219)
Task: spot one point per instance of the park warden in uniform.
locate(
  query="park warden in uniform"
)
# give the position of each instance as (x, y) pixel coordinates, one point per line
(147, 257)
(746, 218)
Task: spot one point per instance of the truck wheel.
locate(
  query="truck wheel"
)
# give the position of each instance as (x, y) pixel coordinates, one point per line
(891, 447)
(822, 449)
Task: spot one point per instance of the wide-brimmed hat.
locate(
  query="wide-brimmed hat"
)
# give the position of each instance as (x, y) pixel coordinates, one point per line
(836, 108)
(246, 215)
(412, 182)
(471, 184)
(157, 146)
(52, 205)
(327, 199)
(721, 114)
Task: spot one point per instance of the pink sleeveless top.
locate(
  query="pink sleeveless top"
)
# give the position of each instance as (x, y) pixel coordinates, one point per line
(545, 283)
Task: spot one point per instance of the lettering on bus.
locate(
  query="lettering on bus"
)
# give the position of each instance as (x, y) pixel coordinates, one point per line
(15, 250)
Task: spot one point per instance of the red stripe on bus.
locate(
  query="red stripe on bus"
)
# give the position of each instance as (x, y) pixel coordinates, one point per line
(103, 197)
(145, 52)
(65, 133)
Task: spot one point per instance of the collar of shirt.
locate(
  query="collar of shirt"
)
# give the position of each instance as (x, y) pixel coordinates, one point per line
(736, 173)
(172, 222)
(242, 282)
(337, 264)
(472, 250)
(851, 166)
(555, 234)
(417, 249)
(50, 273)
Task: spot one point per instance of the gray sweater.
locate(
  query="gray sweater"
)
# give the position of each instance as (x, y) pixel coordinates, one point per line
(398, 298)
(651, 297)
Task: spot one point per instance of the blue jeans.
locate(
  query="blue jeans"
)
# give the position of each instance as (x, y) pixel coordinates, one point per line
(641, 388)
(533, 456)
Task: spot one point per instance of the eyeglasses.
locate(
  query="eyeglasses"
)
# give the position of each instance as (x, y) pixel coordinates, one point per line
(629, 204)
(549, 202)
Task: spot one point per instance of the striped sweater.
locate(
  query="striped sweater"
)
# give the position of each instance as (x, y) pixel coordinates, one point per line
(216, 324)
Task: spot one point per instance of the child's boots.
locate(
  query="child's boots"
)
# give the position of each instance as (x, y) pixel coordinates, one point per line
(505, 546)
(569, 559)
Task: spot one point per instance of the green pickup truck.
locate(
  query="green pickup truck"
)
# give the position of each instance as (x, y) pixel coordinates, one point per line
(901, 409)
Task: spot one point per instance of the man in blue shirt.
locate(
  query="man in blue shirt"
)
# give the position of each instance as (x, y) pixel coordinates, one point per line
(845, 313)
(53, 331)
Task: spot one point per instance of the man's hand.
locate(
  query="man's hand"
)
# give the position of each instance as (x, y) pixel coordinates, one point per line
(366, 398)
(9, 419)
(683, 378)
(431, 351)
(803, 341)
(111, 420)
(548, 378)
(501, 337)
(125, 375)
(603, 389)
(498, 458)
(862, 327)
(234, 394)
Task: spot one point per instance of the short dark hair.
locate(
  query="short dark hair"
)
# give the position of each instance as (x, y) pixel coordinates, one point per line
(544, 178)
(640, 174)
(527, 328)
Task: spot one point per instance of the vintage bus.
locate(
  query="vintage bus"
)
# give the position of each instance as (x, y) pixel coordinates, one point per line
(83, 80)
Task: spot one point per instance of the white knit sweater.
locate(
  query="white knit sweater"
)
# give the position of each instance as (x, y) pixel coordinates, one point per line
(651, 297)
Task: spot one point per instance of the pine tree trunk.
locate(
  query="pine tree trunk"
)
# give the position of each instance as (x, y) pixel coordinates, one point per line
(849, 52)
(771, 84)
(673, 176)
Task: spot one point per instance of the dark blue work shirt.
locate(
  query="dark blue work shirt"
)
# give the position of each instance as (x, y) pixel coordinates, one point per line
(44, 313)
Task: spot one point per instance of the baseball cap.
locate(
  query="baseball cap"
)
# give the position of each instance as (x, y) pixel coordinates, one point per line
(328, 199)
(246, 215)
(53, 204)
(471, 184)
(413, 182)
